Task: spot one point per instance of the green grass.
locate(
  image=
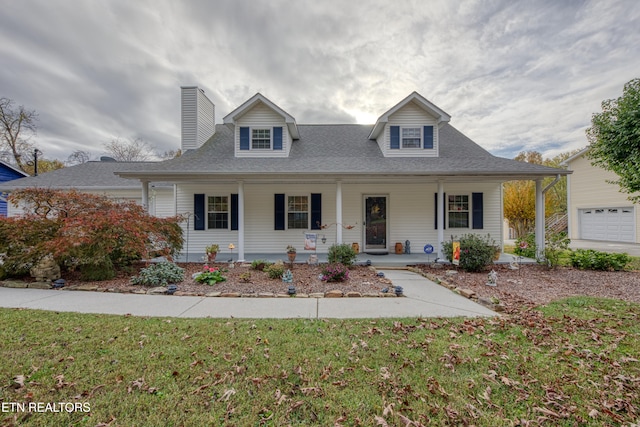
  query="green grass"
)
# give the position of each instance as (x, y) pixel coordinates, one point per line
(572, 362)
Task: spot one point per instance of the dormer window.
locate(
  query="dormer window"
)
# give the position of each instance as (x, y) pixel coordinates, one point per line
(260, 139)
(411, 137)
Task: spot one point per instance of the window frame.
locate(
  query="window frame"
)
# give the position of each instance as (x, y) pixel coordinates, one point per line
(420, 137)
(251, 138)
(289, 211)
(453, 200)
(227, 212)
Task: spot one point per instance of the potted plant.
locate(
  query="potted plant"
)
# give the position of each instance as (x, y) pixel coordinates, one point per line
(212, 252)
(291, 253)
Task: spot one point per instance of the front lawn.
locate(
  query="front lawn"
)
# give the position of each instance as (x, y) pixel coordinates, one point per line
(573, 362)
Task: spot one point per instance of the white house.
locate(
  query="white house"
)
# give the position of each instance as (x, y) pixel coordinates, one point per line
(261, 181)
(98, 177)
(597, 209)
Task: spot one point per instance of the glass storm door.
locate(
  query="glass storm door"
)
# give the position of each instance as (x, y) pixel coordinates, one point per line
(375, 220)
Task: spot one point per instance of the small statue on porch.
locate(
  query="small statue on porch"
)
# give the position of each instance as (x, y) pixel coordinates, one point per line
(407, 247)
(492, 279)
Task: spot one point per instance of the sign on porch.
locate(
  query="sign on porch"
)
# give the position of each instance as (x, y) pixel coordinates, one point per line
(310, 240)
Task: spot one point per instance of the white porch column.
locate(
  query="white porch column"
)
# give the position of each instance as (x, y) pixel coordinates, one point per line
(440, 215)
(145, 195)
(339, 212)
(539, 219)
(240, 221)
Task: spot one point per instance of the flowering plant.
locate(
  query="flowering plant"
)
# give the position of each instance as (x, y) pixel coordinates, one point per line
(210, 276)
(335, 273)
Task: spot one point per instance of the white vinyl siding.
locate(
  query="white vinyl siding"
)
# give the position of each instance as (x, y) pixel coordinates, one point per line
(409, 116)
(198, 118)
(410, 213)
(262, 117)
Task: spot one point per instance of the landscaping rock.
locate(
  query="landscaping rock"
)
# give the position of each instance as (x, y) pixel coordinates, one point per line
(160, 290)
(14, 284)
(266, 295)
(354, 295)
(89, 288)
(46, 270)
(467, 293)
(213, 294)
(40, 285)
(316, 295)
(333, 294)
(139, 292)
(230, 295)
(451, 273)
(388, 295)
(371, 295)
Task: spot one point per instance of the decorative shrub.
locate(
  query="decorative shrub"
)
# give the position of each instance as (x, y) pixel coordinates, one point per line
(556, 244)
(160, 274)
(81, 229)
(97, 272)
(476, 252)
(335, 273)
(589, 259)
(342, 253)
(526, 246)
(260, 264)
(274, 271)
(210, 276)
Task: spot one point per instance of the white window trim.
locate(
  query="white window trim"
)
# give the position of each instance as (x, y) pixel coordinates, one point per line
(420, 129)
(286, 214)
(468, 211)
(228, 196)
(251, 129)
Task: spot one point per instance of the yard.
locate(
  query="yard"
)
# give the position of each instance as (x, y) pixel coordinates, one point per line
(122, 370)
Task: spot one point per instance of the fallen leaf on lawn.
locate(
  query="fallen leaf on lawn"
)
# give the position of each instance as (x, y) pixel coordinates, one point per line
(594, 413)
(380, 421)
(18, 381)
(227, 394)
(547, 412)
(295, 406)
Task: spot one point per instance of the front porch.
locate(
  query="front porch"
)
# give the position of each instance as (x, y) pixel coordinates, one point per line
(386, 260)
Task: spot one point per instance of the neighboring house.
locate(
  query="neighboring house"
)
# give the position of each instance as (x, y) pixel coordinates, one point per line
(597, 209)
(8, 173)
(261, 181)
(99, 178)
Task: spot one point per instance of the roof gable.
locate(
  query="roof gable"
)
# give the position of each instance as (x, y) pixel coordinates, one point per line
(256, 99)
(9, 172)
(441, 116)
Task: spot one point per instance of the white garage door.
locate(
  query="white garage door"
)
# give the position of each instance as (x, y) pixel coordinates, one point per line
(611, 224)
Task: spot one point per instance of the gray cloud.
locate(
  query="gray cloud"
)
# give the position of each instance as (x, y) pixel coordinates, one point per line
(514, 75)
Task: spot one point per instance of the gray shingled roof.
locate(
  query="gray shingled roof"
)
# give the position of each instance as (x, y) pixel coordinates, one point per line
(340, 150)
(90, 175)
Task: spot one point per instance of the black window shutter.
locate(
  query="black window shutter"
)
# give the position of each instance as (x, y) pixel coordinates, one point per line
(444, 212)
(234, 211)
(198, 210)
(316, 211)
(244, 138)
(395, 137)
(428, 137)
(477, 210)
(278, 212)
(277, 138)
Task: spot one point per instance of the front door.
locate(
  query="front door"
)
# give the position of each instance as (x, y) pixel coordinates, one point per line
(375, 220)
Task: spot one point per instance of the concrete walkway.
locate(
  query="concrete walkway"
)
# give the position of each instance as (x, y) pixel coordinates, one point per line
(424, 299)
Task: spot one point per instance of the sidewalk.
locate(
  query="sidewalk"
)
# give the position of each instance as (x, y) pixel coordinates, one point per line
(424, 299)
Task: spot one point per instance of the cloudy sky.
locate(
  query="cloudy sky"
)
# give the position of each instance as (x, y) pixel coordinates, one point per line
(514, 75)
